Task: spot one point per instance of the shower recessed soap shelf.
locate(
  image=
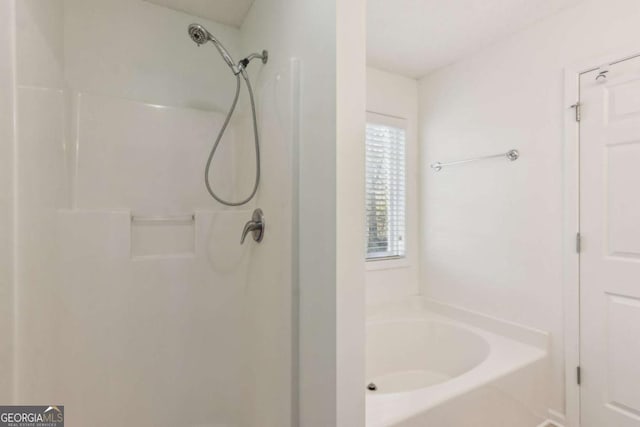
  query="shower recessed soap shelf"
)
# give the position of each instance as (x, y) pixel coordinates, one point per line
(171, 235)
(163, 219)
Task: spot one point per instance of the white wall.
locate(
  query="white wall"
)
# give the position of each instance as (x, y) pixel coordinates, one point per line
(397, 96)
(493, 232)
(7, 63)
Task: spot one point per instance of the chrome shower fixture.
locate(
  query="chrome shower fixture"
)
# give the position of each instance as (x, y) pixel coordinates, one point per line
(200, 36)
(264, 57)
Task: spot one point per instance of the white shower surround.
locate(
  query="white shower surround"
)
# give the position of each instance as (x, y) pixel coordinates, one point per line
(7, 112)
(124, 129)
(135, 55)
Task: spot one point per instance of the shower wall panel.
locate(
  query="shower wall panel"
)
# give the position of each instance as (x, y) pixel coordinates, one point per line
(292, 282)
(39, 43)
(117, 111)
(147, 335)
(7, 63)
(138, 50)
(147, 158)
(270, 287)
(160, 338)
(40, 191)
(41, 185)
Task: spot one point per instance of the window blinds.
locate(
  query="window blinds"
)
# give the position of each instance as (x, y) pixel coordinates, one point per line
(385, 189)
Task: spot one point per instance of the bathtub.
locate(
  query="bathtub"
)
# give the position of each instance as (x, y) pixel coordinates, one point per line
(429, 365)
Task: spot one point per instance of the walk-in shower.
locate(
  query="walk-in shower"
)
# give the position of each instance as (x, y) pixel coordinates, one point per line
(200, 35)
(123, 283)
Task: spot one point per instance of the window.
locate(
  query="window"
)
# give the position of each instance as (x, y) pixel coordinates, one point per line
(385, 187)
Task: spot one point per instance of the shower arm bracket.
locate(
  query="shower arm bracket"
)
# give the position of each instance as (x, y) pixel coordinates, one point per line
(244, 63)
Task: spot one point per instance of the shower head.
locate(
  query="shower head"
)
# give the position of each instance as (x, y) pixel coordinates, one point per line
(200, 35)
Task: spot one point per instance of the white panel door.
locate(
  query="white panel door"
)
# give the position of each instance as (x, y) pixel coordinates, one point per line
(610, 259)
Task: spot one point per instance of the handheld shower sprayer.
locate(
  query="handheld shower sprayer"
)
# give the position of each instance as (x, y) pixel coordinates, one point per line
(200, 36)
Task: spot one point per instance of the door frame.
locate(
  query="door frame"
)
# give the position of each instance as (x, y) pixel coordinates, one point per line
(571, 225)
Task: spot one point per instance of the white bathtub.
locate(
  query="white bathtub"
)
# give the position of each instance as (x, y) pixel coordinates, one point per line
(430, 370)
(411, 354)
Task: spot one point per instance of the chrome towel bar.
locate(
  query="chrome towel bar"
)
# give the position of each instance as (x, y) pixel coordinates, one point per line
(511, 155)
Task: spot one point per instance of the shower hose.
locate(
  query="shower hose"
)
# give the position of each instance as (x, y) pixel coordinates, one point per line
(219, 138)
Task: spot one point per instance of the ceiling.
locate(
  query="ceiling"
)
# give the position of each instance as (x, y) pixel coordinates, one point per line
(230, 12)
(413, 37)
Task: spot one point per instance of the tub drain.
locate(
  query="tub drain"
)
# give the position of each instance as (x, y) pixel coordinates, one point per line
(372, 387)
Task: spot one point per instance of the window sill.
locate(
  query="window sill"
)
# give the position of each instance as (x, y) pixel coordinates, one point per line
(386, 264)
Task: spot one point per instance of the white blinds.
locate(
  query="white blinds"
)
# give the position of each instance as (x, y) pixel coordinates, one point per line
(385, 188)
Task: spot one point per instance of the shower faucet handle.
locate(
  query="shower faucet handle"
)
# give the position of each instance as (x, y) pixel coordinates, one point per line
(255, 226)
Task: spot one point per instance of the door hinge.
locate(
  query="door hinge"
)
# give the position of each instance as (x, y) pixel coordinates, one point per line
(578, 243)
(578, 375)
(578, 110)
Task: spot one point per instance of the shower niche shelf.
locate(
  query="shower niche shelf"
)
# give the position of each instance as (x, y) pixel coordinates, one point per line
(162, 235)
